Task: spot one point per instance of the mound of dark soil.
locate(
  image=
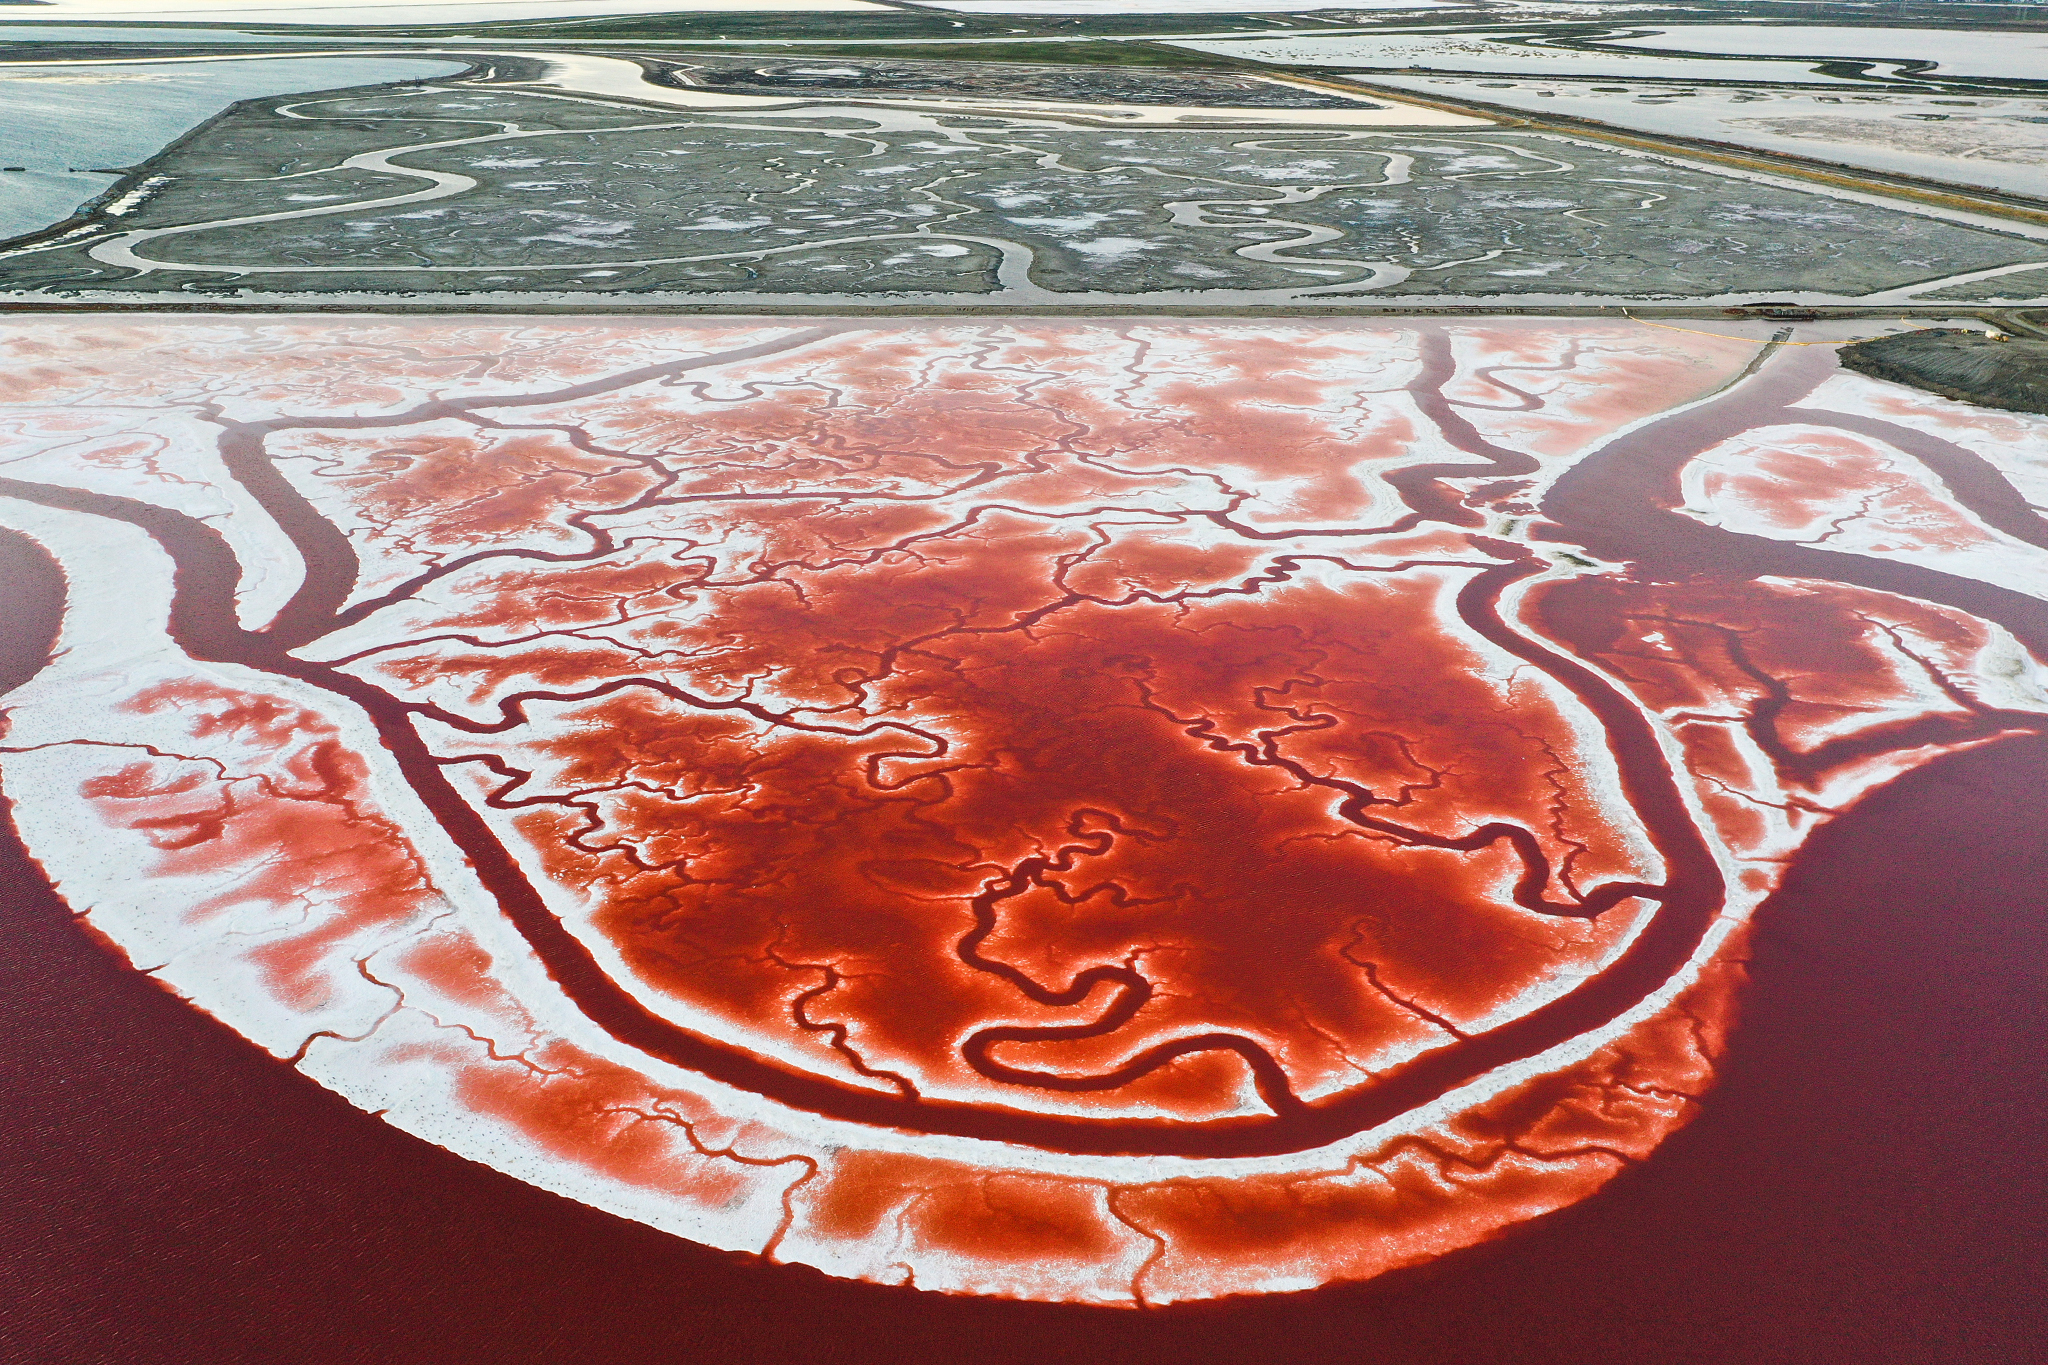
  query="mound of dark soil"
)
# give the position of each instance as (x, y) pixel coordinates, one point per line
(1958, 364)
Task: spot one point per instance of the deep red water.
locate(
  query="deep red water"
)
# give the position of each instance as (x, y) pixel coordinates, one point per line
(1864, 1185)
(1867, 1185)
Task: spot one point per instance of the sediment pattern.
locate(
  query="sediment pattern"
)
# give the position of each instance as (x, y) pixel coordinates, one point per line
(1110, 812)
(576, 187)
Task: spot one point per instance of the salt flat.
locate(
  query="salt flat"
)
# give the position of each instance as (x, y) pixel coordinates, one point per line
(1991, 141)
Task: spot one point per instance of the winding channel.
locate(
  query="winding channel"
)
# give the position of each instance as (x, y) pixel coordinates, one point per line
(1616, 503)
(1014, 258)
(618, 84)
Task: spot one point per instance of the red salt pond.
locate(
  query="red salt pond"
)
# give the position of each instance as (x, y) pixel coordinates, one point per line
(1117, 813)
